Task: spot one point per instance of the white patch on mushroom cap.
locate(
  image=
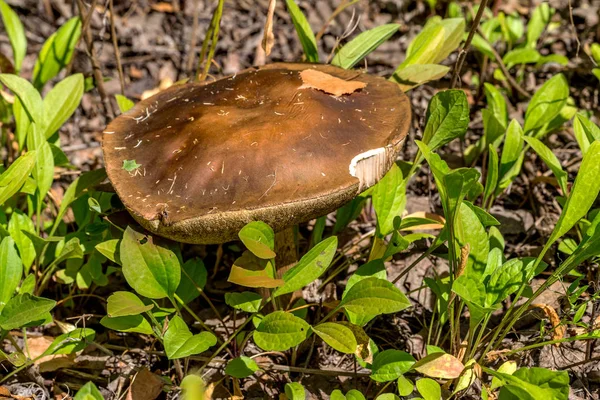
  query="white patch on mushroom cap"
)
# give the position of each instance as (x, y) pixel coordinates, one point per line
(369, 167)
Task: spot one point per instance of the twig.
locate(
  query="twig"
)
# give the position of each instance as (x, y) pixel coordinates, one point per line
(463, 52)
(91, 52)
(574, 29)
(503, 68)
(113, 34)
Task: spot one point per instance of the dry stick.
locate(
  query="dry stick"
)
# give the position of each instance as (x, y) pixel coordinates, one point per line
(503, 68)
(345, 4)
(574, 29)
(91, 52)
(113, 34)
(193, 39)
(463, 52)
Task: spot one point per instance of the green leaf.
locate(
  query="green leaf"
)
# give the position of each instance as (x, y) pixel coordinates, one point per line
(429, 389)
(311, 266)
(56, 52)
(121, 304)
(521, 56)
(22, 121)
(259, 238)
(469, 230)
(410, 76)
(245, 301)
(389, 199)
(15, 176)
(28, 96)
(339, 337)
(496, 102)
(436, 41)
(337, 395)
(374, 268)
(129, 323)
(71, 342)
(512, 155)
(390, 396)
(492, 175)
(130, 165)
(359, 47)
(251, 271)
(374, 296)
(295, 391)
(585, 132)
(507, 279)
(390, 365)
(534, 384)
(439, 365)
(16, 34)
(193, 277)
(110, 250)
(43, 172)
(550, 160)
(24, 309)
(11, 270)
(280, 331)
(179, 341)
(149, 266)
(537, 23)
(405, 386)
(354, 394)
(546, 103)
(124, 103)
(447, 118)
(583, 194)
(89, 391)
(61, 102)
(241, 367)
(304, 31)
(18, 224)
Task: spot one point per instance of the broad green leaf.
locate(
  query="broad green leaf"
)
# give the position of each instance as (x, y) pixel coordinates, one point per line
(110, 250)
(493, 129)
(61, 102)
(521, 56)
(414, 75)
(149, 266)
(496, 102)
(24, 309)
(241, 367)
(245, 301)
(338, 336)
(389, 199)
(71, 342)
(512, 156)
(193, 387)
(22, 121)
(28, 284)
(130, 323)
(16, 34)
(374, 268)
(29, 97)
(405, 386)
(57, 52)
(492, 175)
(124, 103)
(179, 341)
(469, 230)
(550, 160)
(389, 365)
(354, 394)
(439, 365)
(251, 271)
(534, 384)
(429, 389)
(259, 238)
(193, 277)
(359, 47)
(447, 118)
(311, 266)
(374, 296)
(280, 331)
(304, 31)
(18, 224)
(423, 49)
(295, 391)
(120, 304)
(507, 279)
(89, 391)
(43, 172)
(540, 17)
(509, 368)
(391, 396)
(337, 395)
(585, 132)
(76, 190)
(546, 103)
(11, 270)
(583, 194)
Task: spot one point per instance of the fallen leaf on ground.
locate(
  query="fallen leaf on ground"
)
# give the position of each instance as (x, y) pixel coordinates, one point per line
(145, 386)
(313, 79)
(558, 330)
(38, 345)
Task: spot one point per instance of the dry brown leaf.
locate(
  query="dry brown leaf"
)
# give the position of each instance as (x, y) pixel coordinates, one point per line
(163, 7)
(269, 38)
(145, 386)
(330, 84)
(558, 330)
(208, 392)
(251, 271)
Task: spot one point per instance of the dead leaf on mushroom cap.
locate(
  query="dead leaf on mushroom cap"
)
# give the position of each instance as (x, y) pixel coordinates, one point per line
(312, 79)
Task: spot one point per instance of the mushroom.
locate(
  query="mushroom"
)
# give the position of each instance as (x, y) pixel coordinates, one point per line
(283, 143)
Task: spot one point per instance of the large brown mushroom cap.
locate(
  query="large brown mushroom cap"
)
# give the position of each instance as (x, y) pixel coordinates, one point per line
(264, 144)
